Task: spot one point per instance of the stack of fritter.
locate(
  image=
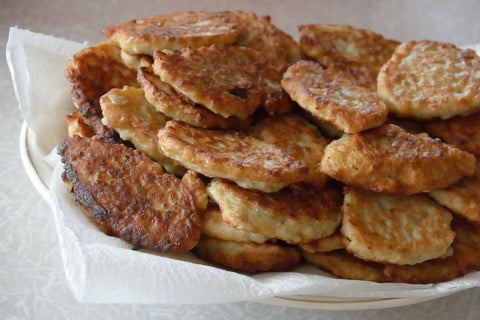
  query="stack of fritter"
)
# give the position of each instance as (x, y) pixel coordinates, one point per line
(217, 133)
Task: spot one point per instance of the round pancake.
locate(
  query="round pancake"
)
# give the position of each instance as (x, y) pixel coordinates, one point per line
(247, 257)
(128, 112)
(299, 137)
(213, 225)
(358, 51)
(168, 101)
(395, 229)
(461, 131)
(427, 79)
(128, 195)
(462, 198)
(225, 79)
(333, 98)
(330, 243)
(295, 216)
(91, 72)
(250, 162)
(172, 31)
(388, 159)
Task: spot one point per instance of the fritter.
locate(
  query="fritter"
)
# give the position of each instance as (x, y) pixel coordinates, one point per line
(333, 242)
(213, 225)
(388, 159)
(462, 132)
(299, 137)
(427, 79)
(295, 216)
(247, 257)
(77, 125)
(128, 195)
(225, 79)
(397, 229)
(168, 101)
(128, 112)
(172, 31)
(357, 51)
(92, 72)
(250, 162)
(333, 97)
(462, 198)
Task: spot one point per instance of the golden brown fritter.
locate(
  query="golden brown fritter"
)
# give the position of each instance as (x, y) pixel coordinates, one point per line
(330, 243)
(397, 229)
(166, 100)
(332, 97)
(388, 159)
(299, 137)
(128, 195)
(250, 162)
(128, 112)
(172, 31)
(92, 72)
(462, 132)
(359, 52)
(77, 125)
(295, 216)
(427, 79)
(247, 257)
(213, 225)
(225, 79)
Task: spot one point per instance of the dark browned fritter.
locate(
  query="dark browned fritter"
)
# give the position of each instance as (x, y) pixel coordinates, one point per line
(128, 195)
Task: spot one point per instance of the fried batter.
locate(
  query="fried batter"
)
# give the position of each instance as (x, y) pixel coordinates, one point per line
(299, 137)
(77, 125)
(295, 216)
(427, 79)
(333, 97)
(465, 258)
(128, 112)
(226, 80)
(168, 101)
(460, 131)
(388, 159)
(92, 72)
(358, 51)
(463, 198)
(330, 243)
(397, 229)
(172, 31)
(250, 162)
(128, 195)
(247, 257)
(213, 225)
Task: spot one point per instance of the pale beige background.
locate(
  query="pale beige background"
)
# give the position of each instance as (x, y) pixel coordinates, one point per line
(32, 281)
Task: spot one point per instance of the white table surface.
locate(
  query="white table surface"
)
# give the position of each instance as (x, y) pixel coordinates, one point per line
(32, 280)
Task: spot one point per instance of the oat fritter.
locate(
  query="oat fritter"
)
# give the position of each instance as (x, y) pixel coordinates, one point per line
(247, 257)
(166, 100)
(427, 79)
(359, 52)
(333, 97)
(462, 132)
(295, 216)
(299, 137)
(92, 72)
(250, 162)
(388, 159)
(213, 225)
(395, 229)
(128, 112)
(225, 79)
(128, 195)
(172, 31)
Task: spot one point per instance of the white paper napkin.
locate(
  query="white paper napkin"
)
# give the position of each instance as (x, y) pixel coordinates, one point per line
(100, 268)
